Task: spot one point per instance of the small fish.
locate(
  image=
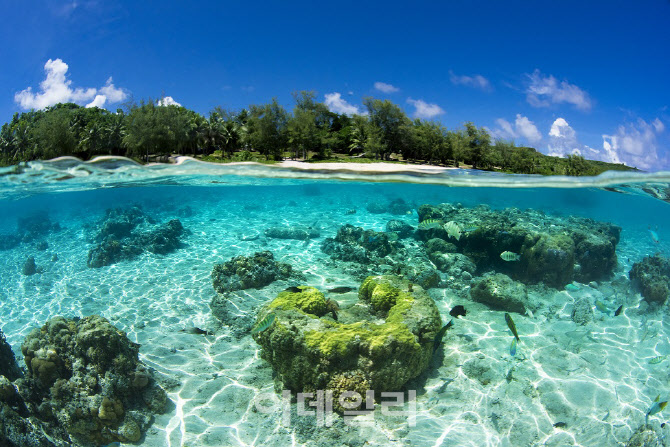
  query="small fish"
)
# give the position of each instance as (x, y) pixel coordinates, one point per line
(657, 359)
(560, 425)
(470, 229)
(512, 348)
(438, 338)
(453, 230)
(351, 211)
(618, 311)
(264, 323)
(571, 287)
(342, 289)
(458, 311)
(196, 331)
(656, 407)
(430, 224)
(654, 236)
(293, 289)
(601, 307)
(510, 324)
(509, 256)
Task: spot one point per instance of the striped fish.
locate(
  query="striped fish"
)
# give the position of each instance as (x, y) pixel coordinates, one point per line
(430, 224)
(657, 359)
(511, 326)
(453, 230)
(264, 323)
(509, 256)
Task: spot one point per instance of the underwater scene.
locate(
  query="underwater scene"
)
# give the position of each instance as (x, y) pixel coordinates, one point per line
(244, 305)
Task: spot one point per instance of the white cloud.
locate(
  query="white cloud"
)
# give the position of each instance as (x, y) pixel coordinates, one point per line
(386, 88)
(635, 144)
(336, 104)
(425, 110)
(56, 88)
(523, 128)
(563, 139)
(546, 90)
(99, 101)
(527, 129)
(476, 81)
(167, 101)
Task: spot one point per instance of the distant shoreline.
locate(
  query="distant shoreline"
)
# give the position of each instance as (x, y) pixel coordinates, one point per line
(377, 167)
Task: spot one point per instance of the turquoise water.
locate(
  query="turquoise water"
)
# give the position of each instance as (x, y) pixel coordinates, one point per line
(595, 378)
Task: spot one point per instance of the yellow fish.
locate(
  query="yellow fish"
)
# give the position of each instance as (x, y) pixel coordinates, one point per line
(453, 230)
(430, 224)
(264, 323)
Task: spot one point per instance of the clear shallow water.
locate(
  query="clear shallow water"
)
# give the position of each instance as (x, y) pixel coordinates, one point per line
(595, 378)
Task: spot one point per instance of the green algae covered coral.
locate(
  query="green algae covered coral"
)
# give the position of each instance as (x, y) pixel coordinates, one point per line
(381, 342)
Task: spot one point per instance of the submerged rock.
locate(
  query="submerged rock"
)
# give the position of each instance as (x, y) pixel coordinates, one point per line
(582, 313)
(84, 375)
(29, 267)
(246, 272)
(355, 244)
(652, 276)
(402, 229)
(299, 232)
(379, 343)
(500, 292)
(120, 239)
(8, 366)
(552, 250)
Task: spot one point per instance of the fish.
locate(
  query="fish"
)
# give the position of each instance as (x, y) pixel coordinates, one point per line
(572, 287)
(430, 224)
(196, 331)
(560, 425)
(654, 236)
(512, 348)
(601, 307)
(351, 211)
(458, 311)
(509, 256)
(510, 324)
(438, 337)
(656, 407)
(618, 311)
(341, 289)
(264, 323)
(453, 230)
(114, 444)
(293, 289)
(657, 359)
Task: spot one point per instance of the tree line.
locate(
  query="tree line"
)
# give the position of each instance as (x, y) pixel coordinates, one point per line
(310, 130)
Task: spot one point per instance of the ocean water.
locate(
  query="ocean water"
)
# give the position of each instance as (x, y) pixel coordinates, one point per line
(568, 384)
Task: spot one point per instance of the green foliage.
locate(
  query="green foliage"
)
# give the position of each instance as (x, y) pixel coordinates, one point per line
(149, 129)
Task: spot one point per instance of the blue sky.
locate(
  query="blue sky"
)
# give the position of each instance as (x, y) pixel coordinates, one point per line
(589, 76)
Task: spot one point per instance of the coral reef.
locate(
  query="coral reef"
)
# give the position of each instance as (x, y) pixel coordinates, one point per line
(360, 351)
(29, 267)
(402, 229)
(246, 272)
(355, 244)
(84, 375)
(299, 232)
(500, 292)
(36, 226)
(652, 276)
(582, 313)
(119, 237)
(553, 250)
(8, 366)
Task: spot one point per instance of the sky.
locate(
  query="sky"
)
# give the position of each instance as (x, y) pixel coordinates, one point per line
(588, 77)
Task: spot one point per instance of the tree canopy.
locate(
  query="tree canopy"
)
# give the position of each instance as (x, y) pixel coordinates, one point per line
(309, 130)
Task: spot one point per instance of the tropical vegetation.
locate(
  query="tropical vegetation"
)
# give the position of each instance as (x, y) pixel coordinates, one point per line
(150, 131)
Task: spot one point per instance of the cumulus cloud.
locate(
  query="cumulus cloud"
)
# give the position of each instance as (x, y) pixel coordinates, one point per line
(425, 110)
(336, 104)
(386, 88)
(635, 144)
(56, 88)
(522, 128)
(563, 139)
(167, 101)
(543, 91)
(476, 81)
